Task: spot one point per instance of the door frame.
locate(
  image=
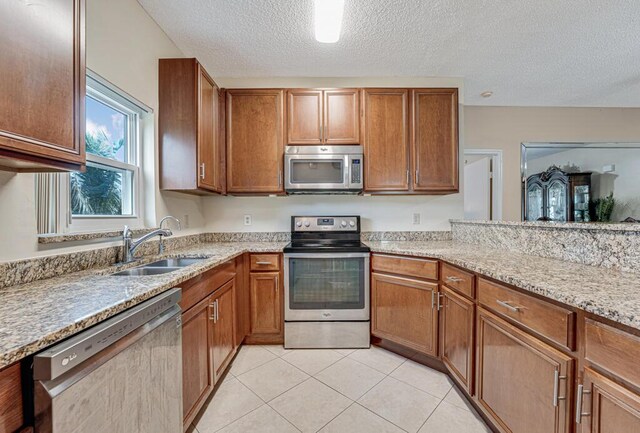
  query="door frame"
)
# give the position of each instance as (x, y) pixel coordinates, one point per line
(497, 178)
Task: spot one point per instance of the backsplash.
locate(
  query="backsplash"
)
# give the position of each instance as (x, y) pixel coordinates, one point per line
(615, 246)
(407, 236)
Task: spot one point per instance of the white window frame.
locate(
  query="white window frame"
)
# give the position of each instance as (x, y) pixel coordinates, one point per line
(106, 93)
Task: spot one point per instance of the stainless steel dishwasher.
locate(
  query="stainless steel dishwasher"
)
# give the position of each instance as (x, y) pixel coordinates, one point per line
(123, 375)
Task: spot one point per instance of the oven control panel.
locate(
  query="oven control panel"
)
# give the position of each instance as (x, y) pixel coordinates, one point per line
(323, 223)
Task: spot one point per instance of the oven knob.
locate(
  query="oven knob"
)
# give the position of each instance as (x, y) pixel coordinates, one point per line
(307, 223)
(343, 223)
(298, 223)
(352, 223)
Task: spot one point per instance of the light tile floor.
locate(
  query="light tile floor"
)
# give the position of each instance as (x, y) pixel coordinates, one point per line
(272, 390)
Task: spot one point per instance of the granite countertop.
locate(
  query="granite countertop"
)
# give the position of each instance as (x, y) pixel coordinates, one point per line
(608, 293)
(36, 315)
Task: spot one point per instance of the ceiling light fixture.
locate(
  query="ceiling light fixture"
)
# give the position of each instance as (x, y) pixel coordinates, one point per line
(328, 16)
(487, 94)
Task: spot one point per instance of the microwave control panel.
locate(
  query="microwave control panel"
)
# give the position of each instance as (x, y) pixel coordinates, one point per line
(356, 171)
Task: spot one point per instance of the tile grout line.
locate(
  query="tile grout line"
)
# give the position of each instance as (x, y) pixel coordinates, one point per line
(341, 412)
(379, 416)
(431, 414)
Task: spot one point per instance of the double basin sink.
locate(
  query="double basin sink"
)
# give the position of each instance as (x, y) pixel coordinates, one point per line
(160, 267)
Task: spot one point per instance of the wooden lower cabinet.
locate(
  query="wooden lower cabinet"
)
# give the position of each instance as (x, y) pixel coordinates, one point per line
(198, 376)
(456, 336)
(224, 346)
(266, 304)
(608, 407)
(243, 299)
(402, 311)
(516, 379)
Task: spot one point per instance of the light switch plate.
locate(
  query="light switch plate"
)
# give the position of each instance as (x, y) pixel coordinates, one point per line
(247, 220)
(416, 218)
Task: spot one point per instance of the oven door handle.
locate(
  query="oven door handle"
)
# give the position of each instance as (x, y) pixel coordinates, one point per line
(326, 255)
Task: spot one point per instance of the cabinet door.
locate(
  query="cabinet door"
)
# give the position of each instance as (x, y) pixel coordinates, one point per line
(42, 89)
(403, 311)
(386, 139)
(612, 408)
(266, 303)
(434, 140)
(456, 336)
(197, 357)
(304, 117)
(341, 116)
(516, 379)
(255, 142)
(208, 137)
(223, 327)
(243, 299)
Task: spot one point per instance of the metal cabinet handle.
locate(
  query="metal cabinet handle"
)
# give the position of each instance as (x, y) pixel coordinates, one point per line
(508, 306)
(556, 387)
(454, 279)
(433, 299)
(438, 304)
(407, 177)
(213, 312)
(202, 168)
(263, 263)
(279, 177)
(579, 398)
(217, 311)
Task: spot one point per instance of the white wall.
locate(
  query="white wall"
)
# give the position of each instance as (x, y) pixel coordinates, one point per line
(123, 46)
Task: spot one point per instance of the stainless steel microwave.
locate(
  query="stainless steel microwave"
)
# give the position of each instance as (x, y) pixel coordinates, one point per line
(323, 169)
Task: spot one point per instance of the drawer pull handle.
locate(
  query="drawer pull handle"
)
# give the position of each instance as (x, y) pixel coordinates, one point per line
(556, 387)
(455, 279)
(509, 307)
(579, 397)
(263, 263)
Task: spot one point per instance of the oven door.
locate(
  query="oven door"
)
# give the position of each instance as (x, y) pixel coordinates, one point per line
(316, 172)
(326, 286)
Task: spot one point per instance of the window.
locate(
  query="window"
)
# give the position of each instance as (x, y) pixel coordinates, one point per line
(107, 195)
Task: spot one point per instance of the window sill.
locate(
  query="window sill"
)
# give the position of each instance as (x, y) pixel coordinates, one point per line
(56, 238)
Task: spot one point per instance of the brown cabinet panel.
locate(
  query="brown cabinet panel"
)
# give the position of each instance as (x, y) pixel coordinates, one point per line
(612, 407)
(613, 350)
(341, 116)
(42, 90)
(516, 379)
(197, 288)
(434, 140)
(456, 336)
(409, 266)
(255, 141)
(403, 311)
(265, 262)
(459, 280)
(266, 300)
(304, 117)
(198, 376)
(243, 299)
(386, 139)
(191, 152)
(224, 346)
(551, 321)
(11, 416)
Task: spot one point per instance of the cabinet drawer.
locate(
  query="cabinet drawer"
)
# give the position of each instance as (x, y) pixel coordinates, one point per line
(265, 262)
(196, 289)
(458, 280)
(414, 267)
(613, 350)
(553, 322)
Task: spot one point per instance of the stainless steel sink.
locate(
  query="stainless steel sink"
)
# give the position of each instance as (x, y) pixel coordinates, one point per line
(144, 270)
(174, 263)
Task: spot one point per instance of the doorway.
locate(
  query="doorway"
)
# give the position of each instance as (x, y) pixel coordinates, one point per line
(483, 184)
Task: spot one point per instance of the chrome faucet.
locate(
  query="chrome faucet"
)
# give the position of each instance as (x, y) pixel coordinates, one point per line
(161, 244)
(130, 245)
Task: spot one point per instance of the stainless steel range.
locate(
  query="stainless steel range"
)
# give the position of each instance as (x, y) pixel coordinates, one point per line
(326, 284)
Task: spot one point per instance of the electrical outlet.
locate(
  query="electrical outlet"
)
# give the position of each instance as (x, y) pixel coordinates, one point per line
(185, 221)
(247, 220)
(416, 218)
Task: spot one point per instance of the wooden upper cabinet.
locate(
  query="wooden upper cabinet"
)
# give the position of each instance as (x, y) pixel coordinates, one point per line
(255, 141)
(304, 117)
(434, 140)
(385, 138)
(522, 383)
(402, 311)
(607, 407)
(341, 116)
(191, 149)
(42, 89)
(316, 117)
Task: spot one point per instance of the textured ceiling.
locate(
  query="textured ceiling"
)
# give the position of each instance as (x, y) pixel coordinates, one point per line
(528, 52)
